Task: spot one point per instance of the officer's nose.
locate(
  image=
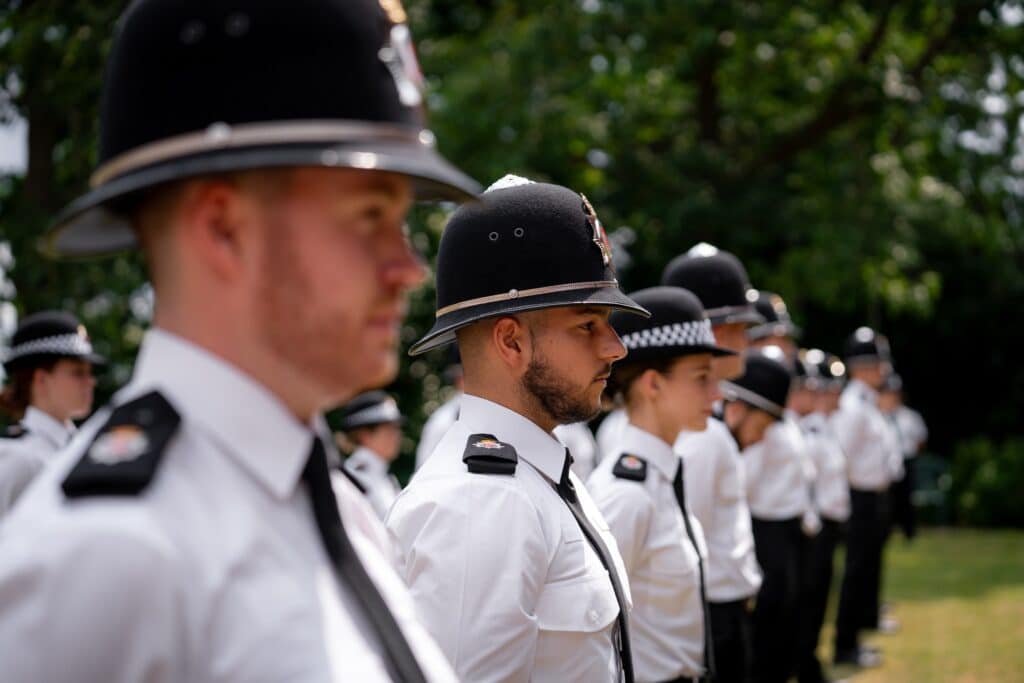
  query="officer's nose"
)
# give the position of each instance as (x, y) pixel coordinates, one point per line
(406, 269)
(612, 348)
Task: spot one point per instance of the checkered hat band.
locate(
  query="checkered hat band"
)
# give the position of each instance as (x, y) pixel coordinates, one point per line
(692, 333)
(57, 345)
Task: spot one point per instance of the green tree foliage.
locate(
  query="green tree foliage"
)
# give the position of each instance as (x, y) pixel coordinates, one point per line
(865, 159)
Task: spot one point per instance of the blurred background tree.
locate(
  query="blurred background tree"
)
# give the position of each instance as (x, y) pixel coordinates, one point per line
(865, 160)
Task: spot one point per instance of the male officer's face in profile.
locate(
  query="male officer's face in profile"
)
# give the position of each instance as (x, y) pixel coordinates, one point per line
(337, 266)
(572, 351)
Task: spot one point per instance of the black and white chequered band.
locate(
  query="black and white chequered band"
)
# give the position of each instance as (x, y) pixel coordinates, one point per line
(692, 333)
(57, 345)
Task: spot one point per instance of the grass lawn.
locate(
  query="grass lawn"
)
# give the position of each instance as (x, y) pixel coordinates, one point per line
(959, 595)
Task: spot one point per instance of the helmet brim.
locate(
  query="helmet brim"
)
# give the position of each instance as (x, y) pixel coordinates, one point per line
(92, 224)
(443, 331)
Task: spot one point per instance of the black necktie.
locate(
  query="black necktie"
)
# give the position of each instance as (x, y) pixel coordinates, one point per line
(709, 651)
(568, 493)
(400, 661)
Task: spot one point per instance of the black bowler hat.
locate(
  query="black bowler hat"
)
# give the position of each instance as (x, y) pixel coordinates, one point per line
(765, 382)
(866, 345)
(777, 323)
(523, 246)
(678, 326)
(195, 87)
(720, 282)
(368, 410)
(48, 335)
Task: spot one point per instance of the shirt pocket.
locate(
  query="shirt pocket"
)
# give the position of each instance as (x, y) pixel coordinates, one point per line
(585, 605)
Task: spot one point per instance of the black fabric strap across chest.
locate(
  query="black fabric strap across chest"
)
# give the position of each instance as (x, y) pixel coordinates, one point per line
(568, 493)
(398, 656)
(709, 650)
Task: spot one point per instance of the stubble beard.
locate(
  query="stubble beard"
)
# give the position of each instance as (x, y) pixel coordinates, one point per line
(555, 395)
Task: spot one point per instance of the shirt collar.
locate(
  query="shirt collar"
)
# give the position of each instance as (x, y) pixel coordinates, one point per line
(240, 414)
(532, 444)
(643, 444)
(864, 391)
(39, 422)
(366, 460)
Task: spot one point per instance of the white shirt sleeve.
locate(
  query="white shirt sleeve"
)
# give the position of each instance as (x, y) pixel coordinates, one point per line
(480, 601)
(70, 613)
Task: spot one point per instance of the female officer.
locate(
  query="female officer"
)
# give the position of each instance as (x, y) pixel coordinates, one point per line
(665, 385)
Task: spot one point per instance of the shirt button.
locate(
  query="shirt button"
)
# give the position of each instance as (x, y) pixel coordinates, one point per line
(593, 615)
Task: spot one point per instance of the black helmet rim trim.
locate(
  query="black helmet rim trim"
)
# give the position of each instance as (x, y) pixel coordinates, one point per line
(447, 324)
(726, 315)
(736, 392)
(90, 226)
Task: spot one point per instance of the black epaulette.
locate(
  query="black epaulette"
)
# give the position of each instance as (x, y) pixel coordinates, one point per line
(630, 467)
(14, 431)
(123, 457)
(352, 478)
(486, 455)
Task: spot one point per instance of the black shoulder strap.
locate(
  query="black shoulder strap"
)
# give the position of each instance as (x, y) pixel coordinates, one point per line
(484, 454)
(123, 457)
(630, 467)
(14, 431)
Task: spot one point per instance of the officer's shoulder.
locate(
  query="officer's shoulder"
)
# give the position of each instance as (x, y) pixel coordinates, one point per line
(485, 454)
(630, 467)
(125, 453)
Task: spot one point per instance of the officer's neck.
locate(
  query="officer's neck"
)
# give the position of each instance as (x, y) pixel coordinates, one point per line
(515, 399)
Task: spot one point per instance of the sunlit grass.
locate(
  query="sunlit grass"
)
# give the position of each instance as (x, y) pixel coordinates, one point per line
(959, 595)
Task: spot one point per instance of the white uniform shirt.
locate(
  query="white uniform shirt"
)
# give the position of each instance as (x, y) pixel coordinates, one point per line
(215, 572)
(580, 442)
(867, 439)
(716, 494)
(23, 457)
(912, 430)
(576, 437)
(831, 489)
(779, 473)
(667, 621)
(434, 428)
(371, 472)
(499, 568)
(609, 433)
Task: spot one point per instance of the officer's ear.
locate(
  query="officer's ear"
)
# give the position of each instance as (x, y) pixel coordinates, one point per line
(212, 217)
(509, 337)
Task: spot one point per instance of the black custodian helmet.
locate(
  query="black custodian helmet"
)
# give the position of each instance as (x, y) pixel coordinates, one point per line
(205, 86)
(523, 246)
(866, 345)
(720, 282)
(765, 382)
(777, 323)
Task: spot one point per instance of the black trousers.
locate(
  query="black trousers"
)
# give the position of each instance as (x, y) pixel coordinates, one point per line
(779, 547)
(862, 577)
(817, 579)
(732, 631)
(900, 502)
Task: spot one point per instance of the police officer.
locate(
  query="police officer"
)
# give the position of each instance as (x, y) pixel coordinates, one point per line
(190, 531)
(815, 397)
(873, 462)
(778, 491)
(715, 483)
(50, 383)
(372, 429)
(666, 385)
(509, 561)
(913, 433)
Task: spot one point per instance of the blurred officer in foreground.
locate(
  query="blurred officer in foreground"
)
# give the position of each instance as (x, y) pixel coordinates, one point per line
(815, 397)
(772, 449)
(715, 484)
(371, 426)
(666, 385)
(509, 561)
(913, 433)
(50, 383)
(869, 444)
(190, 532)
